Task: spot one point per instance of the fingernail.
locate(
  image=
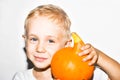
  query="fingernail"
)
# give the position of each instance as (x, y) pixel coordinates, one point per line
(89, 64)
(82, 48)
(84, 60)
(79, 54)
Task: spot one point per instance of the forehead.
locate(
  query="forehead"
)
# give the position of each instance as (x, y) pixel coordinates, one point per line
(43, 25)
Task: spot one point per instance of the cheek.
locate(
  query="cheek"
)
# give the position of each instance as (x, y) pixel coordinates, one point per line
(30, 48)
(53, 50)
(30, 51)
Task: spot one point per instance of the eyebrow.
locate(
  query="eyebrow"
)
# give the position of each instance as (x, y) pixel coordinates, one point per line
(48, 36)
(32, 35)
(52, 36)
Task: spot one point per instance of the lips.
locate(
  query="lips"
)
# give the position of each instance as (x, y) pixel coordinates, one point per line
(40, 59)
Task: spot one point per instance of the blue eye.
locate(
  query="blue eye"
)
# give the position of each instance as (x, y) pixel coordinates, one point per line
(33, 39)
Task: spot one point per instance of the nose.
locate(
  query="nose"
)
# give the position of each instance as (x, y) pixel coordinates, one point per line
(40, 48)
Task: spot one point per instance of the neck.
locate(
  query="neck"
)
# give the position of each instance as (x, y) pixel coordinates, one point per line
(42, 74)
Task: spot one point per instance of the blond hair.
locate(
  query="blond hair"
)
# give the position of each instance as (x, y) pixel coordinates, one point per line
(54, 13)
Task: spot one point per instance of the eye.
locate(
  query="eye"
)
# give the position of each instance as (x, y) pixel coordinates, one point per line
(33, 40)
(51, 41)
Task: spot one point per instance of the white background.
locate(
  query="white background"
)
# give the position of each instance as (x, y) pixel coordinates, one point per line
(96, 21)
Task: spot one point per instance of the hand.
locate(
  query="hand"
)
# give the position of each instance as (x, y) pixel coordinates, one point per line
(91, 53)
(57, 79)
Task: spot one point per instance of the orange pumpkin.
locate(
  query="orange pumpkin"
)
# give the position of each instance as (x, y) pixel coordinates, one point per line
(67, 65)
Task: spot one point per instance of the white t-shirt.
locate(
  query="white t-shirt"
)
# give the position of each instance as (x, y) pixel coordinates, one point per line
(99, 74)
(28, 75)
(24, 75)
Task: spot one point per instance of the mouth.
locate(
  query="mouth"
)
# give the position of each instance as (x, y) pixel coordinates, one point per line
(40, 59)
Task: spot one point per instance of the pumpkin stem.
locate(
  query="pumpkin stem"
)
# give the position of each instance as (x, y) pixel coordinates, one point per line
(78, 43)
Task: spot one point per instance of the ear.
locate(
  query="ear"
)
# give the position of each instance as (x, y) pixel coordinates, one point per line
(68, 43)
(24, 37)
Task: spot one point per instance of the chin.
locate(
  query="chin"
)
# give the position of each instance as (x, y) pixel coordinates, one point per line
(41, 68)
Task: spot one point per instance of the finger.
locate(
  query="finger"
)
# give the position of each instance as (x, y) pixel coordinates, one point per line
(86, 46)
(89, 57)
(93, 61)
(85, 52)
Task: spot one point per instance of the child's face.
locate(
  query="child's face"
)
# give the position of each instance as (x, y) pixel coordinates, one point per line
(44, 38)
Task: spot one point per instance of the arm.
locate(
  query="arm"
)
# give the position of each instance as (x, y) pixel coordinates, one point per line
(109, 65)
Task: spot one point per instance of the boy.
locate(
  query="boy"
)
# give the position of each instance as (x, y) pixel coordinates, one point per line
(47, 29)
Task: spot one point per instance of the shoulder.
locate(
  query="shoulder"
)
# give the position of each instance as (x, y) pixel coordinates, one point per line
(24, 75)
